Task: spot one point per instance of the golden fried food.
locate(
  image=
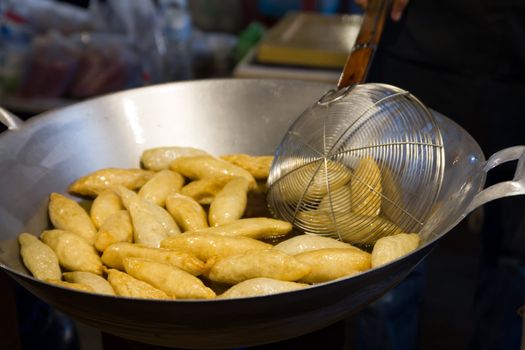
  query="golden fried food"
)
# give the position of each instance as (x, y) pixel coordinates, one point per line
(160, 186)
(188, 214)
(162, 216)
(106, 204)
(39, 259)
(116, 228)
(205, 246)
(349, 227)
(126, 286)
(257, 228)
(305, 243)
(66, 214)
(116, 253)
(393, 203)
(77, 286)
(365, 188)
(230, 203)
(390, 248)
(331, 263)
(334, 208)
(260, 286)
(160, 158)
(258, 166)
(337, 201)
(204, 190)
(311, 183)
(126, 195)
(97, 182)
(157, 261)
(74, 253)
(367, 230)
(97, 283)
(257, 263)
(151, 223)
(200, 167)
(175, 282)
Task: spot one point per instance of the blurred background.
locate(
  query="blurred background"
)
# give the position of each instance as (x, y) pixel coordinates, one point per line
(53, 53)
(57, 52)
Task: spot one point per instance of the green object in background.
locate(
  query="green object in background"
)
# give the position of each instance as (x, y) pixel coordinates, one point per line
(248, 39)
(10, 84)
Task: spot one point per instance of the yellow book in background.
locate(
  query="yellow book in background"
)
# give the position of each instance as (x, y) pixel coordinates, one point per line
(310, 39)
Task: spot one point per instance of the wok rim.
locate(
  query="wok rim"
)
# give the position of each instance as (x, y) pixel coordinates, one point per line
(49, 115)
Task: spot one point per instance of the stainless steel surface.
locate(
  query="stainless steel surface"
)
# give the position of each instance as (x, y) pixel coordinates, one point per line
(9, 119)
(367, 121)
(49, 151)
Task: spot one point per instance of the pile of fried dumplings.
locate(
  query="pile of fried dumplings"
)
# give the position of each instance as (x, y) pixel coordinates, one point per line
(182, 227)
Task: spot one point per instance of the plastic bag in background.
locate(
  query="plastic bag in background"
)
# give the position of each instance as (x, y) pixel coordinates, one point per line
(213, 54)
(45, 15)
(52, 66)
(177, 29)
(15, 44)
(138, 21)
(220, 16)
(107, 64)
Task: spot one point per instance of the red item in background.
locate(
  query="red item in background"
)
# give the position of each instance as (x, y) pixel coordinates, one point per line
(53, 64)
(97, 74)
(106, 65)
(14, 17)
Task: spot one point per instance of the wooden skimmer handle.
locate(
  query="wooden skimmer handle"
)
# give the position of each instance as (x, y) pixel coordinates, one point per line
(357, 64)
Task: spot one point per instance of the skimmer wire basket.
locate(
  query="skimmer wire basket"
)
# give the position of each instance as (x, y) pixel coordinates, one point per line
(364, 162)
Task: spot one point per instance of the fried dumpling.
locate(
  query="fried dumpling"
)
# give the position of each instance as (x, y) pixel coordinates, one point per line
(200, 167)
(260, 286)
(151, 223)
(160, 186)
(106, 204)
(104, 179)
(97, 283)
(257, 263)
(116, 253)
(116, 228)
(258, 166)
(66, 214)
(74, 253)
(160, 158)
(39, 258)
(78, 286)
(126, 286)
(204, 246)
(257, 228)
(390, 248)
(305, 243)
(331, 263)
(187, 212)
(230, 203)
(366, 189)
(175, 282)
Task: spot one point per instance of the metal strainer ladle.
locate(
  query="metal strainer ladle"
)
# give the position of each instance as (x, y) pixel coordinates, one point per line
(365, 161)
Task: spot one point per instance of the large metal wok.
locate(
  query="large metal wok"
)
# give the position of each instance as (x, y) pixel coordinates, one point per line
(48, 152)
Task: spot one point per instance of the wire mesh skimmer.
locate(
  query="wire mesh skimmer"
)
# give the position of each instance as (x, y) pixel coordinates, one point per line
(363, 162)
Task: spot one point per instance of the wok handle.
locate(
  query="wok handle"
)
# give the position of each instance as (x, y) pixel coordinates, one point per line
(507, 188)
(10, 120)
